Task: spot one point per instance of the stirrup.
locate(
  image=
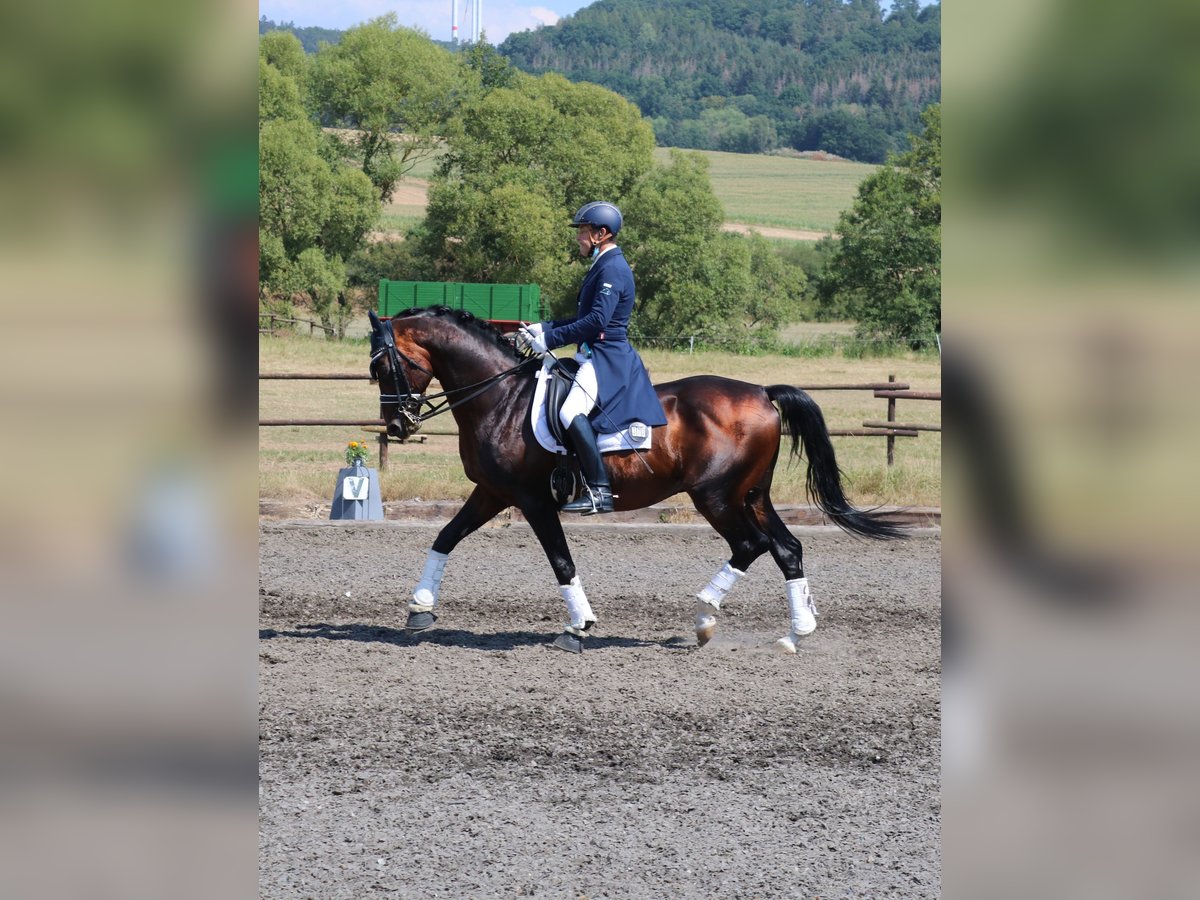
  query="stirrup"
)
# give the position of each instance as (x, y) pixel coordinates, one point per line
(591, 501)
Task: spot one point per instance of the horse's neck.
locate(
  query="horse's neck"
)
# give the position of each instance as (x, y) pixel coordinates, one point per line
(464, 366)
(467, 365)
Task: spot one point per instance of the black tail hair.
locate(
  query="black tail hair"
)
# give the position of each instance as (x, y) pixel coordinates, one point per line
(803, 420)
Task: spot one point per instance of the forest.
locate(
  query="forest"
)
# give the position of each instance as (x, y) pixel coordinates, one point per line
(753, 76)
(745, 76)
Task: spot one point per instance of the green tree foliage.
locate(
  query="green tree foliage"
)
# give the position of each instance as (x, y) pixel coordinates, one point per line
(811, 74)
(519, 160)
(777, 294)
(310, 38)
(692, 278)
(395, 87)
(313, 212)
(886, 271)
(283, 50)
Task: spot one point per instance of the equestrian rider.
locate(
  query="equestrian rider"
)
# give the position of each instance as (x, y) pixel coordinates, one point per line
(612, 389)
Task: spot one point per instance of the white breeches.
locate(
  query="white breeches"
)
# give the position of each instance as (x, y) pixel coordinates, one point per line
(581, 399)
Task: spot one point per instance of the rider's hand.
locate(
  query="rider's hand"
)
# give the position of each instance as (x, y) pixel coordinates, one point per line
(532, 337)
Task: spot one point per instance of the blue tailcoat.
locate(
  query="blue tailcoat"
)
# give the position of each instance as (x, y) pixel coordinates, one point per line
(605, 304)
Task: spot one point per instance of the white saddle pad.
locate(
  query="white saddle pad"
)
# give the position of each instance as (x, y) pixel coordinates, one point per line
(608, 443)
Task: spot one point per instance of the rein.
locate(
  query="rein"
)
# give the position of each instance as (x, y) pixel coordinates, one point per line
(410, 403)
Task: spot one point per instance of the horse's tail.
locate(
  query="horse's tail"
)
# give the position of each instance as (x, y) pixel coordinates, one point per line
(802, 419)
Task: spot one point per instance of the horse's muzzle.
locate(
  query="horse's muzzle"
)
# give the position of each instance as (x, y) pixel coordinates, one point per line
(407, 420)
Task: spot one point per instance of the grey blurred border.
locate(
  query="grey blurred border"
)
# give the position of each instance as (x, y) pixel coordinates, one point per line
(1071, 274)
(128, 243)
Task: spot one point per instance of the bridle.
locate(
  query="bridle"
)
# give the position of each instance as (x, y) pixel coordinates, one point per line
(408, 402)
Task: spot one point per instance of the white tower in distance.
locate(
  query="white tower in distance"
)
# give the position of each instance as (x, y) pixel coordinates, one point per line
(472, 9)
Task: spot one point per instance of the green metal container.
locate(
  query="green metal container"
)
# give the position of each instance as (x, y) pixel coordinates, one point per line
(499, 303)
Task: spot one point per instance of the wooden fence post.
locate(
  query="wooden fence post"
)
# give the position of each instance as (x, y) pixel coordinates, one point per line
(891, 417)
(383, 449)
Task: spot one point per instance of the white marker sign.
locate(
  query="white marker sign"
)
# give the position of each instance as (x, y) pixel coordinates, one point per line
(355, 488)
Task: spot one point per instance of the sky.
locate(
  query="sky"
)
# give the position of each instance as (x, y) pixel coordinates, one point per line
(500, 17)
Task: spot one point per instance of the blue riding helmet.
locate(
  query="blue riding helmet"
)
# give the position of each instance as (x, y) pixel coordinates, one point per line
(599, 213)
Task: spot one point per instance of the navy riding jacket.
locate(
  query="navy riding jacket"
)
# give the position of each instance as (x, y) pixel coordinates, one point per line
(605, 304)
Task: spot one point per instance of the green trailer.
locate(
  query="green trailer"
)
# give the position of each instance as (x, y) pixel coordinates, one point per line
(504, 305)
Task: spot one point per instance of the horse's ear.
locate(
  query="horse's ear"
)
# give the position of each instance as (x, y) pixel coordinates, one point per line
(375, 325)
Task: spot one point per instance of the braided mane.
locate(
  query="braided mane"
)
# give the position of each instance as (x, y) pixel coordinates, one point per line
(469, 322)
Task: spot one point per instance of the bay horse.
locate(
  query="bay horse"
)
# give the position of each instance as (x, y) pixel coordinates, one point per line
(720, 446)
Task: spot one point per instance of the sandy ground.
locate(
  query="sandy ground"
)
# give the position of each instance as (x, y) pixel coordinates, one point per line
(475, 761)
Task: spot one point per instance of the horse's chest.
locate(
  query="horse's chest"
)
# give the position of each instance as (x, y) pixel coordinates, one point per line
(482, 462)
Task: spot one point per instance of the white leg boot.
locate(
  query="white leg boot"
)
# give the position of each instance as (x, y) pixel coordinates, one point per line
(803, 612)
(425, 594)
(708, 602)
(579, 614)
(579, 611)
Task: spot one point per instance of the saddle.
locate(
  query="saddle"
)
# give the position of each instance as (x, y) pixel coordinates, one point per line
(564, 484)
(562, 376)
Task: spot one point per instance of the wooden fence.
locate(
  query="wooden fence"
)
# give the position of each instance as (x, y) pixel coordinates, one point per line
(272, 318)
(891, 390)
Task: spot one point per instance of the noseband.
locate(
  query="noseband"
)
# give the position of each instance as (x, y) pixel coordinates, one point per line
(408, 402)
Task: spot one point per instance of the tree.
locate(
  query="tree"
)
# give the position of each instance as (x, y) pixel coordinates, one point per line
(886, 271)
(519, 160)
(778, 286)
(396, 87)
(692, 279)
(313, 211)
(283, 50)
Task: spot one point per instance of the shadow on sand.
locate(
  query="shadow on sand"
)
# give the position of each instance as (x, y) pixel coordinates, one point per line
(501, 640)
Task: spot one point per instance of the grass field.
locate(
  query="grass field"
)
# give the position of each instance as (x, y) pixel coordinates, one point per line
(778, 190)
(300, 463)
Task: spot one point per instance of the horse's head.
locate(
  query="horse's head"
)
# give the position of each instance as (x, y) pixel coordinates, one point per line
(401, 368)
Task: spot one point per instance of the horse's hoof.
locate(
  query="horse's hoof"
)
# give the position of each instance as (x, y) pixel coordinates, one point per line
(786, 644)
(419, 621)
(569, 642)
(705, 629)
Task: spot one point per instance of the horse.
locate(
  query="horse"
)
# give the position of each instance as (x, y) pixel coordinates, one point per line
(720, 446)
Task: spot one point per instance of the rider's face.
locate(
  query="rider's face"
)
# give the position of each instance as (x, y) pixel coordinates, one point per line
(588, 237)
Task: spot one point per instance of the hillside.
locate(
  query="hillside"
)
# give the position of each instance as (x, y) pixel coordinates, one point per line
(778, 196)
(753, 75)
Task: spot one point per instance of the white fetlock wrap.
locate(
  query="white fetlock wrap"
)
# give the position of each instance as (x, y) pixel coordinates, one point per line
(425, 594)
(579, 611)
(801, 607)
(722, 583)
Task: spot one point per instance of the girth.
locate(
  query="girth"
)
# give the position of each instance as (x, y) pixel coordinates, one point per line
(562, 376)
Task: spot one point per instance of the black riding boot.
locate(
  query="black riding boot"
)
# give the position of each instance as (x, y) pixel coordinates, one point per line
(597, 494)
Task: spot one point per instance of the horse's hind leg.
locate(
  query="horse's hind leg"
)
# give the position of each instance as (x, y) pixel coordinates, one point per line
(480, 508)
(747, 542)
(789, 556)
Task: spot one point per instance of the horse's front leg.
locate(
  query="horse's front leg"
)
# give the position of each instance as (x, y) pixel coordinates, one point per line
(543, 518)
(480, 508)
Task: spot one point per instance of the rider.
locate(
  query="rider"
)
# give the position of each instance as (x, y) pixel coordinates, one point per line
(612, 383)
